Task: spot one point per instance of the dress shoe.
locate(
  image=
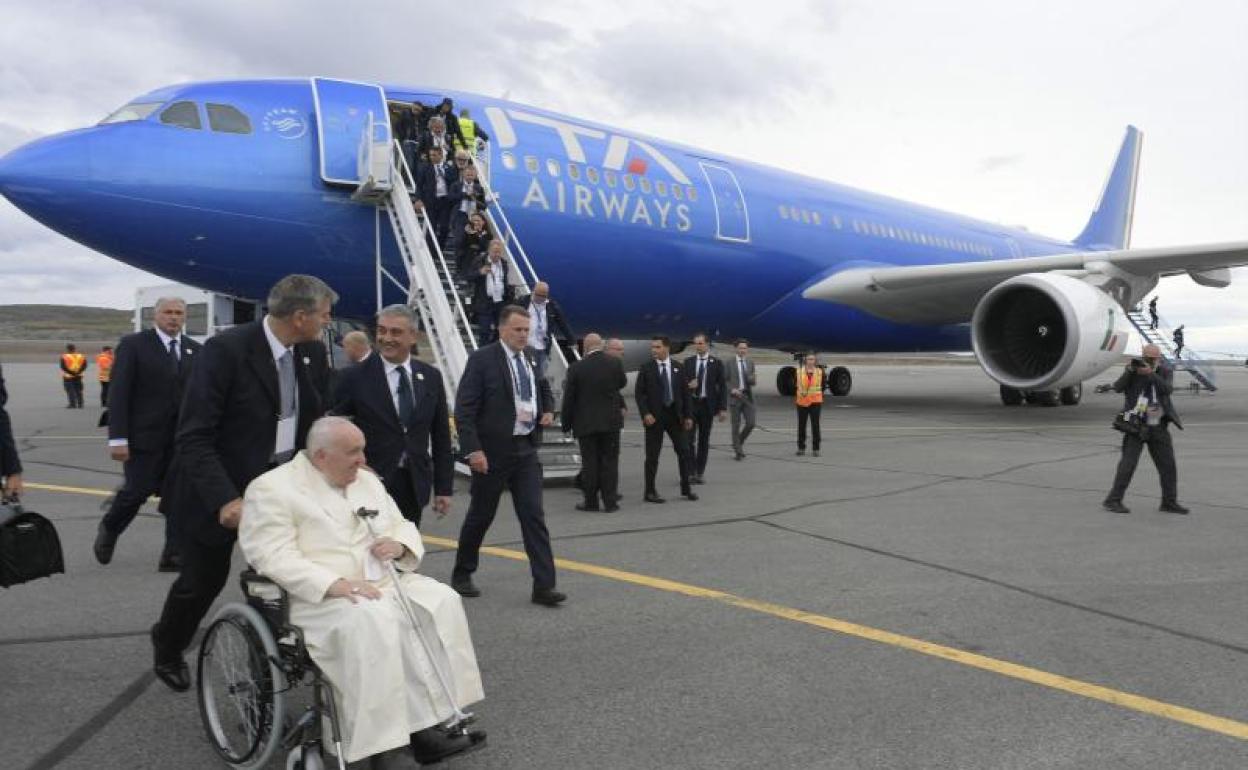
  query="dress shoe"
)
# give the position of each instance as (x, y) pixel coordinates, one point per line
(739, 456)
(611, 509)
(1173, 508)
(548, 597)
(801, 452)
(105, 542)
(464, 586)
(1115, 507)
(653, 497)
(433, 744)
(689, 495)
(585, 507)
(173, 671)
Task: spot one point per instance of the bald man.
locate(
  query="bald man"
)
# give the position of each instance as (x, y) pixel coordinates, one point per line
(357, 347)
(591, 412)
(1146, 385)
(544, 315)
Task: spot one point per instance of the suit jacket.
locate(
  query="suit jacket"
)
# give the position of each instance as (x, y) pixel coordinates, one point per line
(227, 427)
(591, 395)
(733, 374)
(9, 462)
(427, 141)
(363, 393)
(1131, 385)
(716, 381)
(480, 298)
(146, 393)
(485, 407)
(649, 391)
(458, 191)
(555, 319)
(427, 182)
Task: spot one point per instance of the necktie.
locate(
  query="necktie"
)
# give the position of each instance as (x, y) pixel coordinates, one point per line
(173, 355)
(745, 384)
(701, 378)
(667, 385)
(406, 401)
(522, 380)
(286, 381)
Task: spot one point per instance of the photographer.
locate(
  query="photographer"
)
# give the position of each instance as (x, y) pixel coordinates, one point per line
(1146, 385)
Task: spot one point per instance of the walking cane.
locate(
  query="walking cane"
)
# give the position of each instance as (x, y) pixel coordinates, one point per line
(461, 719)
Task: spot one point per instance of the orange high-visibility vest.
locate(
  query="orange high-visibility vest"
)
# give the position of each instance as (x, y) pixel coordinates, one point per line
(74, 362)
(809, 387)
(104, 366)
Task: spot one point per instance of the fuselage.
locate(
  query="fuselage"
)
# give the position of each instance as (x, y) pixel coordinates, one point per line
(636, 236)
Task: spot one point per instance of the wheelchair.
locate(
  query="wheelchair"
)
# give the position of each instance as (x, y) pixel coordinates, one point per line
(250, 659)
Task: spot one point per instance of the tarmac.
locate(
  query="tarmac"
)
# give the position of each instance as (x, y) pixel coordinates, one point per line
(940, 589)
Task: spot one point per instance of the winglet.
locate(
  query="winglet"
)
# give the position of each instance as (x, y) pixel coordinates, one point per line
(1110, 224)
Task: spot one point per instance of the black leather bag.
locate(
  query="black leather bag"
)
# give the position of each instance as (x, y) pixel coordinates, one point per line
(1131, 424)
(29, 546)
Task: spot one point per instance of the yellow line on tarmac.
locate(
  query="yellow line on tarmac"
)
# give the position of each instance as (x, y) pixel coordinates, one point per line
(70, 490)
(1199, 719)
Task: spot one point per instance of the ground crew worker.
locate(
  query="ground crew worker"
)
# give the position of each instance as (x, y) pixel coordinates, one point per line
(73, 364)
(470, 131)
(809, 403)
(104, 372)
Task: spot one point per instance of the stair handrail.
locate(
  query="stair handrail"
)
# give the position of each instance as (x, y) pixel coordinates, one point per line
(405, 172)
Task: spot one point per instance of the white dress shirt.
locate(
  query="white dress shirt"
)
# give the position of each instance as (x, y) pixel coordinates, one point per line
(522, 427)
(537, 330)
(278, 350)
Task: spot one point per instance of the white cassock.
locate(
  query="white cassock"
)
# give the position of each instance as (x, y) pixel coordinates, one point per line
(303, 533)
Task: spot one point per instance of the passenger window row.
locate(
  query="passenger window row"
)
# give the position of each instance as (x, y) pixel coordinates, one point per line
(810, 217)
(611, 178)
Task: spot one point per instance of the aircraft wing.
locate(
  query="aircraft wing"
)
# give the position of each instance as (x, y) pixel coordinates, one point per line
(940, 294)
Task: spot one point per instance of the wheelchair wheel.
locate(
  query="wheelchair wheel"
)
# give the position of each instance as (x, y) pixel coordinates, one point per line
(240, 687)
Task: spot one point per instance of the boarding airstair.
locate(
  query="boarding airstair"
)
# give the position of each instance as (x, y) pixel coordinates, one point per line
(1200, 370)
(440, 296)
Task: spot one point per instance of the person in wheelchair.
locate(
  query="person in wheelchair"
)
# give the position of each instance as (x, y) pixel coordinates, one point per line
(300, 528)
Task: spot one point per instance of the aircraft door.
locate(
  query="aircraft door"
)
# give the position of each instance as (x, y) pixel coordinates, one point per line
(732, 219)
(343, 111)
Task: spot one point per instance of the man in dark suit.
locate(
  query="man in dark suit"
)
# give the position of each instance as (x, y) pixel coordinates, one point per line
(500, 410)
(10, 464)
(400, 405)
(149, 375)
(435, 180)
(545, 318)
(1146, 385)
(256, 390)
(742, 380)
(466, 198)
(708, 389)
(591, 412)
(491, 278)
(665, 407)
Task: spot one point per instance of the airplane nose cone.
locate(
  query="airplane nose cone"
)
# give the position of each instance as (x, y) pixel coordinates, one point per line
(47, 176)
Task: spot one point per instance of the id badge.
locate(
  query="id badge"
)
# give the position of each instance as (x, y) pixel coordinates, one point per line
(286, 434)
(524, 415)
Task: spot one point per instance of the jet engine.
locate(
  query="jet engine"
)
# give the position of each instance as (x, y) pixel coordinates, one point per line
(1047, 331)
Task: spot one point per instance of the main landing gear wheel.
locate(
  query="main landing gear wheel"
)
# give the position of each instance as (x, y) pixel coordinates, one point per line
(1072, 395)
(786, 381)
(239, 688)
(1011, 396)
(840, 381)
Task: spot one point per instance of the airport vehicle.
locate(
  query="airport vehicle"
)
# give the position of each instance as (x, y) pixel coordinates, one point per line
(230, 185)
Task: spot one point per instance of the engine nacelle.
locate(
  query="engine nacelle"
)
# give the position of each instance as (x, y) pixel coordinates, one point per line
(1042, 331)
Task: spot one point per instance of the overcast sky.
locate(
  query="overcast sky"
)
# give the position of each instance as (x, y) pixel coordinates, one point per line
(1010, 112)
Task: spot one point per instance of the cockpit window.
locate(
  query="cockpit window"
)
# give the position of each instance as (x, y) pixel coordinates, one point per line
(181, 114)
(227, 119)
(132, 111)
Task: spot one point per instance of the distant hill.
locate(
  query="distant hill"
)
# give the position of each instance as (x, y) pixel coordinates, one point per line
(63, 322)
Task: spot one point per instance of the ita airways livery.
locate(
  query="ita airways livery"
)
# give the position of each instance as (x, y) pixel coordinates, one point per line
(229, 185)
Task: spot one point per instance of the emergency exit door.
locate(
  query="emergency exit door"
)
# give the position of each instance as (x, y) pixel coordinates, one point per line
(344, 112)
(732, 219)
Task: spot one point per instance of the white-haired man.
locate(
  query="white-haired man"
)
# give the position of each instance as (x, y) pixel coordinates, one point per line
(300, 529)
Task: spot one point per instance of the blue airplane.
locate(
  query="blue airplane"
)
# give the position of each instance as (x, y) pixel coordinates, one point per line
(230, 185)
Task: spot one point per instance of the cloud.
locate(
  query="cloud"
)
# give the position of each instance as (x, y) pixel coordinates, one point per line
(994, 162)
